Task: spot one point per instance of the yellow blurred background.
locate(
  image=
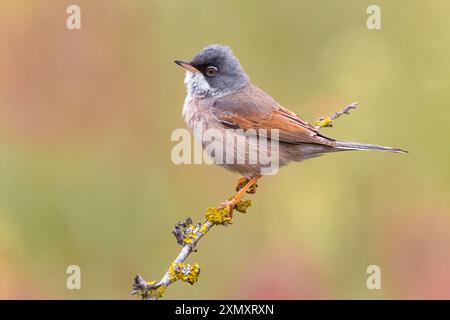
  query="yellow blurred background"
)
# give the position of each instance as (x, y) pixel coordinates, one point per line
(86, 176)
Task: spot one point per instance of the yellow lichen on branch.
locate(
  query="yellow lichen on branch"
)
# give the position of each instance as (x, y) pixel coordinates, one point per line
(223, 215)
(187, 235)
(157, 292)
(324, 122)
(243, 205)
(184, 272)
(218, 215)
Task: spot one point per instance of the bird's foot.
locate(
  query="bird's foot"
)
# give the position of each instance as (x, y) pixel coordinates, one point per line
(242, 182)
(224, 213)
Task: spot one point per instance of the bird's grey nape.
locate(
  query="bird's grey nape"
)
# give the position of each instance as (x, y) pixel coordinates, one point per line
(229, 78)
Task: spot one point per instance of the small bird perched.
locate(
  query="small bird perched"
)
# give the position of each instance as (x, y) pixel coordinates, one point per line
(221, 97)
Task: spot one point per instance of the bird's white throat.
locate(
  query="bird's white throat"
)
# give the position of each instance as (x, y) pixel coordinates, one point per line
(198, 87)
(196, 84)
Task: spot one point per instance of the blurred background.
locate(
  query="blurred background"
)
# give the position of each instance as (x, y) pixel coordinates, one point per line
(86, 176)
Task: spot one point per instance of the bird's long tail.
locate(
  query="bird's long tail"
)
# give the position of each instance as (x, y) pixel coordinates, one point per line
(350, 145)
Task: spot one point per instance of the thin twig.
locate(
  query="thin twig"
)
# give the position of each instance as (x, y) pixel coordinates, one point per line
(324, 122)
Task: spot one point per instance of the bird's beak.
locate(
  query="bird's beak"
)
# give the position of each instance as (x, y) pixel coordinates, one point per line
(186, 65)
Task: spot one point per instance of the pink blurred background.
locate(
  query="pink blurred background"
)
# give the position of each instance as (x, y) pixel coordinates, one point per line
(85, 170)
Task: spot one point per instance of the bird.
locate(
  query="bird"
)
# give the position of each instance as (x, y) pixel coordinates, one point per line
(221, 98)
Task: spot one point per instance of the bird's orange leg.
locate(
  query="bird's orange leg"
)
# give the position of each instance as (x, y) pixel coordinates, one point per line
(232, 203)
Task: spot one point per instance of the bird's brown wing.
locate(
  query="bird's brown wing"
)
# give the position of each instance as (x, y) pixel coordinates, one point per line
(252, 108)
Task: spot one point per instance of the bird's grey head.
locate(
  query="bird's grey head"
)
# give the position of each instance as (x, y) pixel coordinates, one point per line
(213, 72)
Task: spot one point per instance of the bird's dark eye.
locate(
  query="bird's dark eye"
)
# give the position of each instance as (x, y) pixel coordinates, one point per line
(211, 71)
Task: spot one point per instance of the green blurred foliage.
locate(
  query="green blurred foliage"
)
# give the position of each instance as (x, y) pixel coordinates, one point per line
(85, 170)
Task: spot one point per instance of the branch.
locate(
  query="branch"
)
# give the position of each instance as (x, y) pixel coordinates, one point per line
(324, 122)
(188, 235)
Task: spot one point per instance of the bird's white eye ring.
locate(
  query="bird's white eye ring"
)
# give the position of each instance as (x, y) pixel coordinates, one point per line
(211, 71)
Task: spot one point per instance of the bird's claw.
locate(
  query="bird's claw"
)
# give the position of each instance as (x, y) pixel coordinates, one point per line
(242, 182)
